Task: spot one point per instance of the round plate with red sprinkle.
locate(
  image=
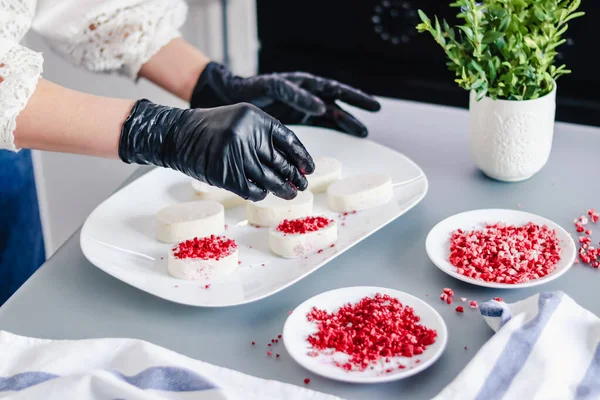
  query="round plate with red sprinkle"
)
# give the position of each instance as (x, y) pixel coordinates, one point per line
(503, 249)
(365, 335)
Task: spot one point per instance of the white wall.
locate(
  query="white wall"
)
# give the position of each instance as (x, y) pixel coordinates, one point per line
(71, 186)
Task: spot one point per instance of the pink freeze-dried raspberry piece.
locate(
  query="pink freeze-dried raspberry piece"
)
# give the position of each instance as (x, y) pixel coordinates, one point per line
(504, 253)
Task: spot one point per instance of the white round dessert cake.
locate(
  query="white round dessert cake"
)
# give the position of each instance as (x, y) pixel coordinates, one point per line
(360, 192)
(302, 236)
(210, 257)
(204, 191)
(327, 171)
(183, 221)
(272, 210)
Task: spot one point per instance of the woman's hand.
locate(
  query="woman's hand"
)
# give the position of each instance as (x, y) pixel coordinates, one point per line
(292, 98)
(238, 148)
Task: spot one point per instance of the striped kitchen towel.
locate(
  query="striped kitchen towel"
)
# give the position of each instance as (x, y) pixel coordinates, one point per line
(546, 347)
(111, 369)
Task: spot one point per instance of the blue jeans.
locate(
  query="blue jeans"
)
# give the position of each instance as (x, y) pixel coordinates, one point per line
(21, 239)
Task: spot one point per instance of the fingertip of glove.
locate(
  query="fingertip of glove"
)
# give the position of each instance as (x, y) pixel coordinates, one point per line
(302, 184)
(376, 106)
(320, 108)
(363, 133)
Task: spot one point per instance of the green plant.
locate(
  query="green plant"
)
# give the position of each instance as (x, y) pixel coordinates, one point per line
(505, 49)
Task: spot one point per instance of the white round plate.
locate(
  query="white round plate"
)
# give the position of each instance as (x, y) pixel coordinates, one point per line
(437, 243)
(297, 329)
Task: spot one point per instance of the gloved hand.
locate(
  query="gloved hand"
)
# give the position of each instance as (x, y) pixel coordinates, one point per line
(292, 98)
(238, 148)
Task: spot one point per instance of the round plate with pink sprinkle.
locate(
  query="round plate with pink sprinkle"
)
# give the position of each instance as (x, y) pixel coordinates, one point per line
(410, 335)
(505, 249)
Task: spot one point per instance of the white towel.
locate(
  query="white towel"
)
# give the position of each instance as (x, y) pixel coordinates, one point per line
(111, 369)
(546, 347)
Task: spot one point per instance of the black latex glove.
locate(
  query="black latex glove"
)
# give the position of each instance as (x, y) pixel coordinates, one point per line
(238, 148)
(292, 98)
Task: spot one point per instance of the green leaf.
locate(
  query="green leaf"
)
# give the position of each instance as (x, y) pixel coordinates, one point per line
(574, 5)
(504, 23)
(477, 84)
(422, 28)
(539, 14)
(530, 42)
(562, 30)
(491, 37)
(574, 15)
(423, 17)
(491, 70)
(468, 31)
(554, 45)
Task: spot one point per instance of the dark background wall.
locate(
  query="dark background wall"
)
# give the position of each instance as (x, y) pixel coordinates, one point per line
(373, 44)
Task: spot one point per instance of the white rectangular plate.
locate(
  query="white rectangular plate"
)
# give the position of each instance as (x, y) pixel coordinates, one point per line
(118, 236)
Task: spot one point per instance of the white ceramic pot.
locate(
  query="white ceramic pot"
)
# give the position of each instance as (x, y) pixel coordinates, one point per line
(511, 140)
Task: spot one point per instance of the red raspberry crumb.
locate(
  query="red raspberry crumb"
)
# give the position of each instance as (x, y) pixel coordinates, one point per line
(447, 295)
(388, 371)
(278, 336)
(303, 225)
(465, 347)
(332, 245)
(593, 215)
(417, 361)
(253, 343)
(320, 251)
(446, 298)
(207, 286)
(384, 326)
(290, 312)
(504, 253)
(473, 304)
(269, 344)
(277, 355)
(499, 299)
(306, 381)
(588, 232)
(210, 247)
(401, 366)
(269, 353)
(460, 309)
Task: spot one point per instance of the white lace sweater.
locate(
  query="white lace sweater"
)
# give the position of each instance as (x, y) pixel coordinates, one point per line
(102, 36)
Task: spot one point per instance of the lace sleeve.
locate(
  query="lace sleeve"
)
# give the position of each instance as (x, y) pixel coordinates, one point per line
(110, 36)
(20, 68)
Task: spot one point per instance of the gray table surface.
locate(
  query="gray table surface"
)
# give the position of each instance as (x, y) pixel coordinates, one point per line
(69, 298)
